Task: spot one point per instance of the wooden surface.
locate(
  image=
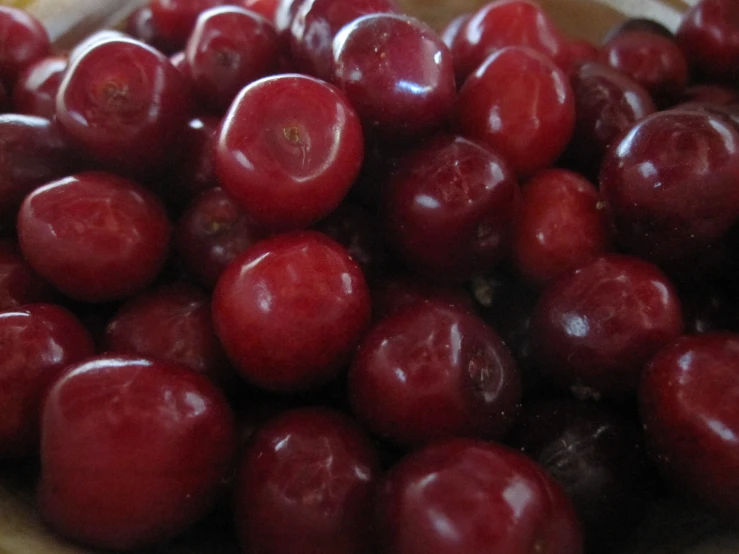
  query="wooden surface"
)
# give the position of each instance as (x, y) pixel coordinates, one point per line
(672, 528)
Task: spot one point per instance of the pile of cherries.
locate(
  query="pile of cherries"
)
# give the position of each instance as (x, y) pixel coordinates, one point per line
(373, 289)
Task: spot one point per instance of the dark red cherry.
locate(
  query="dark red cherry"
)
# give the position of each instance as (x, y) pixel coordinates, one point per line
(305, 485)
(19, 283)
(175, 19)
(713, 94)
(265, 8)
(691, 418)
(595, 328)
(39, 341)
(467, 497)
(640, 25)
(452, 29)
(577, 53)
(431, 371)
(397, 73)
(291, 310)
(140, 25)
(25, 41)
(94, 236)
(37, 86)
(288, 150)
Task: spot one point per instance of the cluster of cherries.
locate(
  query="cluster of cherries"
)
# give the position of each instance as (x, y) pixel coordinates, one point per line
(385, 291)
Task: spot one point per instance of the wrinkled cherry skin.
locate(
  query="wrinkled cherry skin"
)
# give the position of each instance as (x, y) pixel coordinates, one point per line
(175, 19)
(655, 62)
(450, 208)
(397, 73)
(288, 150)
(39, 341)
(520, 104)
(171, 323)
(316, 23)
(94, 236)
(431, 371)
(291, 310)
(682, 205)
(133, 451)
(691, 417)
(19, 283)
(25, 41)
(35, 90)
(597, 326)
(709, 37)
(504, 23)
(560, 225)
(32, 153)
(305, 485)
(124, 104)
(211, 233)
(466, 497)
(229, 48)
(598, 459)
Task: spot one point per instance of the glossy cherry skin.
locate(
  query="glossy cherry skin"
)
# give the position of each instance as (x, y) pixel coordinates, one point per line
(669, 185)
(229, 48)
(431, 371)
(25, 41)
(709, 37)
(654, 61)
(35, 90)
(452, 29)
(39, 341)
(598, 326)
(641, 25)
(175, 19)
(465, 497)
(450, 208)
(140, 25)
(124, 104)
(171, 323)
(211, 233)
(316, 23)
(520, 104)
(265, 8)
(397, 73)
(504, 23)
(19, 283)
(598, 459)
(561, 224)
(288, 150)
(94, 236)
(291, 310)
(687, 398)
(133, 451)
(32, 153)
(305, 485)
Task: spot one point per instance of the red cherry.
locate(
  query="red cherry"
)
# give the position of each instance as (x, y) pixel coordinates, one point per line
(713, 94)
(640, 25)
(39, 341)
(265, 8)
(311, 472)
(25, 41)
(19, 283)
(133, 451)
(452, 29)
(37, 86)
(291, 310)
(466, 497)
(175, 19)
(140, 25)
(94, 236)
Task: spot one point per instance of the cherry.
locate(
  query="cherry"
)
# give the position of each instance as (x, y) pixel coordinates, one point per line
(639, 25)
(25, 41)
(175, 19)
(211, 233)
(520, 104)
(450, 208)
(123, 103)
(171, 323)
(288, 150)
(305, 485)
(561, 225)
(284, 15)
(669, 185)
(19, 283)
(133, 451)
(32, 153)
(707, 308)
(140, 25)
(452, 29)
(291, 310)
(595, 328)
(598, 459)
(691, 418)
(316, 23)
(265, 8)
(229, 48)
(397, 74)
(465, 497)
(37, 86)
(655, 62)
(709, 37)
(94, 236)
(91, 40)
(431, 371)
(39, 341)
(713, 94)
(578, 52)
